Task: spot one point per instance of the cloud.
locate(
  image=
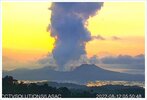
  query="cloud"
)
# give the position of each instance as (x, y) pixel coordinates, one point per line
(68, 27)
(124, 59)
(136, 61)
(98, 37)
(48, 61)
(116, 38)
(94, 60)
(121, 63)
(82, 60)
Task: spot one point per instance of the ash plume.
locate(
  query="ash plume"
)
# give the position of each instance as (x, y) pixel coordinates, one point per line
(68, 28)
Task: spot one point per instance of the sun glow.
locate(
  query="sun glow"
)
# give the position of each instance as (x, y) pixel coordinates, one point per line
(25, 36)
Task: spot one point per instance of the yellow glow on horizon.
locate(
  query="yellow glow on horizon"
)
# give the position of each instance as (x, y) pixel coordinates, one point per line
(126, 46)
(121, 19)
(24, 29)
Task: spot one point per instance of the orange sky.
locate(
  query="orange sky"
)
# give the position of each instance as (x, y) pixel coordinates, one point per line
(25, 37)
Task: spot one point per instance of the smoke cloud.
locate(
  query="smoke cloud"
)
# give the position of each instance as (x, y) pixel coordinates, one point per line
(68, 22)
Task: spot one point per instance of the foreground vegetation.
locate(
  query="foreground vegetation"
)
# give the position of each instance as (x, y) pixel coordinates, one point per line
(11, 88)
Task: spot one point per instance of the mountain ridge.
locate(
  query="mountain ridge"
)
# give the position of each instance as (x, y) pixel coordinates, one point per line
(81, 74)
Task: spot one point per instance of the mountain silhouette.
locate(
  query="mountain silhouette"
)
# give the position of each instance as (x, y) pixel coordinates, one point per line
(81, 74)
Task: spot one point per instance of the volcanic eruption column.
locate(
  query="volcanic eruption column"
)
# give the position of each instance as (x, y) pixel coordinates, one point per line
(68, 28)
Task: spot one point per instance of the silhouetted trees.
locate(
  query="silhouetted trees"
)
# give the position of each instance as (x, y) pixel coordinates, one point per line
(12, 86)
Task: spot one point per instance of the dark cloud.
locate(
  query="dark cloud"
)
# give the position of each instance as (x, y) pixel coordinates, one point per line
(124, 59)
(124, 63)
(99, 37)
(68, 27)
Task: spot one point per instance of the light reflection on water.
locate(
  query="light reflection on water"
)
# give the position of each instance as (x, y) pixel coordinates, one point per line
(32, 81)
(96, 83)
(125, 83)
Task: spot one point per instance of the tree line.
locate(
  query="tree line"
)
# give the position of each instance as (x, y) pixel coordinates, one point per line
(13, 87)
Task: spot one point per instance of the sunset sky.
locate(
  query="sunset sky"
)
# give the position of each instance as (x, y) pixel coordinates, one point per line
(25, 36)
